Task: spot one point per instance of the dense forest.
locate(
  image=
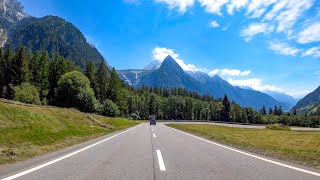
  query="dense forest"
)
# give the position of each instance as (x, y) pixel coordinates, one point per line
(39, 79)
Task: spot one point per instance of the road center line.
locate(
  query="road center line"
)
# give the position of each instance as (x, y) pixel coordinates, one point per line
(63, 157)
(160, 160)
(254, 156)
(154, 135)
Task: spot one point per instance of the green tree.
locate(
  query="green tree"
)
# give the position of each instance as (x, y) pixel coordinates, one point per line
(90, 71)
(21, 68)
(114, 86)
(102, 78)
(110, 109)
(42, 81)
(226, 108)
(74, 91)
(26, 93)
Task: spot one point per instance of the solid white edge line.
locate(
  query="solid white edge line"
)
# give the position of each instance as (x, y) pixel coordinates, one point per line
(160, 160)
(154, 135)
(254, 156)
(63, 157)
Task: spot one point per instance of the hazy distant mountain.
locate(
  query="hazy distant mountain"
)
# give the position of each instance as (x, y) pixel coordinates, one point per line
(310, 104)
(49, 33)
(217, 87)
(153, 65)
(284, 98)
(170, 74)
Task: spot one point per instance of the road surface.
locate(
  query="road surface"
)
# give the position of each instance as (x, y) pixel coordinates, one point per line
(157, 152)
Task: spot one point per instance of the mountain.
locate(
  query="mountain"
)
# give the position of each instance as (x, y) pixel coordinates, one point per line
(153, 65)
(170, 74)
(284, 98)
(310, 104)
(11, 11)
(217, 87)
(49, 33)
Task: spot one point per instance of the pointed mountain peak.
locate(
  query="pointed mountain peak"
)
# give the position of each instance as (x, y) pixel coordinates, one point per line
(168, 58)
(169, 63)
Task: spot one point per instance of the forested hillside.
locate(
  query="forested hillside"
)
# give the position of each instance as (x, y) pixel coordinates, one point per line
(309, 105)
(54, 35)
(38, 79)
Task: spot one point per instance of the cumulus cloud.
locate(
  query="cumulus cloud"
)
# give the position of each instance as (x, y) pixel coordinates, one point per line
(236, 5)
(160, 54)
(256, 28)
(229, 72)
(283, 48)
(182, 5)
(254, 83)
(213, 6)
(214, 24)
(314, 51)
(310, 34)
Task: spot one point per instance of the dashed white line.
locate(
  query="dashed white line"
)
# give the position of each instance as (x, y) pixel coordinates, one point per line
(61, 158)
(254, 156)
(160, 160)
(154, 135)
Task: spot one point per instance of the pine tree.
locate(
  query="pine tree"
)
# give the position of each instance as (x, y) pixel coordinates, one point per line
(43, 80)
(226, 108)
(90, 71)
(102, 78)
(114, 87)
(33, 67)
(21, 67)
(270, 111)
(263, 111)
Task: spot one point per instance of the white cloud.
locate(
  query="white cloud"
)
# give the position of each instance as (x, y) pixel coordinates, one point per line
(257, 7)
(255, 84)
(298, 94)
(229, 72)
(314, 51)
(236, 4)
(289, 16)
(182, 5)
(283, 48)
(160, 54)
(256, 28)
(214, 24)
(310, 34)
(213, 6)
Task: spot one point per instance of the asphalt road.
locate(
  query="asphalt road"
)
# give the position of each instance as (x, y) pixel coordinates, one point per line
(157, 152)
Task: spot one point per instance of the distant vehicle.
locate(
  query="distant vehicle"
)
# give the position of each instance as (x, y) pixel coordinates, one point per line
(153, 121)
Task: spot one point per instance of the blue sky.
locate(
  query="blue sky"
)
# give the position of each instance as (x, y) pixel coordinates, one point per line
(263, 44)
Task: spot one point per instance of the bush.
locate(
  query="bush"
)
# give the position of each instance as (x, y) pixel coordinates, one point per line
(134, 116)
(110, 109)
(278, 127)
(27, 93)
(74, 91)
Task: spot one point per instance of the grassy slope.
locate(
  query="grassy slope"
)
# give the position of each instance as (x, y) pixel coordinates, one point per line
(27, 131)
(301, 147)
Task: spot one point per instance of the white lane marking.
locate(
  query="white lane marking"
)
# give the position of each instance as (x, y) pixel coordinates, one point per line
(154, 135)
(254, 156)
(61, 158)
(160, 160)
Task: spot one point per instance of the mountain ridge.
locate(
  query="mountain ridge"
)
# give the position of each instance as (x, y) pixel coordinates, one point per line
(170, 74)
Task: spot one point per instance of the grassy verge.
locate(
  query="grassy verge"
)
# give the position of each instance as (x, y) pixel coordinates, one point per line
(296, 146)
(27, 131)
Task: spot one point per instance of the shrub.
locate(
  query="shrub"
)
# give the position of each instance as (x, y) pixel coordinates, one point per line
(134, 116)
(110, 109)
(278, 127)
(27, 93)
(74, 91)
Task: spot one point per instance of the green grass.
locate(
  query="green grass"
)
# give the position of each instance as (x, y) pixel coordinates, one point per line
(27, 131)
(278, 127)
(296, 146)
